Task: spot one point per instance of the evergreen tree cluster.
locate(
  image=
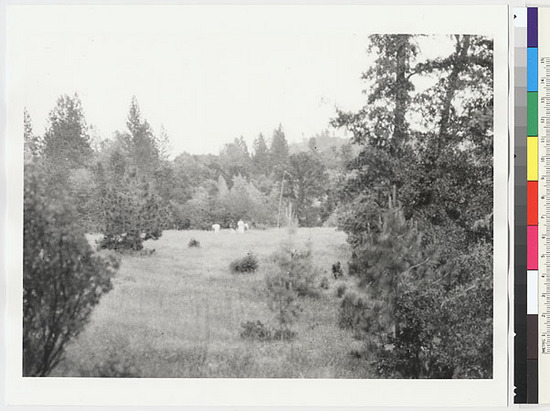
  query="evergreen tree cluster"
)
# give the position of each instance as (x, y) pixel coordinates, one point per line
(120, 184)
(417, 206)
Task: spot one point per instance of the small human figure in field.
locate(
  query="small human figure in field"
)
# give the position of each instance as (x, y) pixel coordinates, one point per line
(216, 228)
(246, 227)
(240, 227)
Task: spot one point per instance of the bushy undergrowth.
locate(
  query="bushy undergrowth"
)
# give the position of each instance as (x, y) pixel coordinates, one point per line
(337, 271)
(262, 332)
(194, 243)
(255, 330)
(246, 264)
(352, 313)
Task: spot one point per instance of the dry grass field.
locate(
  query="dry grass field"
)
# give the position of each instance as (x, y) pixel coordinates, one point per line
(178, 313)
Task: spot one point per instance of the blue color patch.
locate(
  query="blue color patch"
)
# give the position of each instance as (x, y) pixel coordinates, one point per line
(532, 69)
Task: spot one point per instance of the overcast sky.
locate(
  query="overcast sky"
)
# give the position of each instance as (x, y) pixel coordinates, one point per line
(208, 74)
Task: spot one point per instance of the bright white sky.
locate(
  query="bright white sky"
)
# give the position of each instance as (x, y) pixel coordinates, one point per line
(209, 74)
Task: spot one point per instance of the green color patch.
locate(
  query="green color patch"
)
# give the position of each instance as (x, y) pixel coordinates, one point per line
(532, 113)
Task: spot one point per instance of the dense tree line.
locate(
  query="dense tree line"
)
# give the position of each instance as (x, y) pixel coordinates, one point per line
(418, 201)
(128, 188)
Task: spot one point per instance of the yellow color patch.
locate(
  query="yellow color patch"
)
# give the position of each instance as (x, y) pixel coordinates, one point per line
(532, 158)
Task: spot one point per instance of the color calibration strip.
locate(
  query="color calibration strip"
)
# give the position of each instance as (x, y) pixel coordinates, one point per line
(520, 205)
(539, 288)
(532, 205)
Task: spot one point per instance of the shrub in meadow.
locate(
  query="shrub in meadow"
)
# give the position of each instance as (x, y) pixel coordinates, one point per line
(255, 330)
(246, 264)
(194, 243)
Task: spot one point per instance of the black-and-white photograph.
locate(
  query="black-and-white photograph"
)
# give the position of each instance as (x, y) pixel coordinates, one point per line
(213, 199)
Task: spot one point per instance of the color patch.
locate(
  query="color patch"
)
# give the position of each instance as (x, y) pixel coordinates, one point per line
(532, 159)
(532, 336)
(532, 247)
(532, 113)
(532, 69)
(532, 203)
(532, 294)
(532, 27)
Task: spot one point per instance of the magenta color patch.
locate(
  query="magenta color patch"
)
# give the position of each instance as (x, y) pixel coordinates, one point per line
(532, 247)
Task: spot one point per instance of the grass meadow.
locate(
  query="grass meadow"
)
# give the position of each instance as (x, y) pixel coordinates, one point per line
(178, 313)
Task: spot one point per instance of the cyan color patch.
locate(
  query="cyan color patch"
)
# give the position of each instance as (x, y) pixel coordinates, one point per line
(532, 69)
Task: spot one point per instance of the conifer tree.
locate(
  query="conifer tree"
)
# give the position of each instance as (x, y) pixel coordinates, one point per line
(31, 141)
(260, 156)
(278, 152)
(66, 141)
(142, 143)
(133, 213)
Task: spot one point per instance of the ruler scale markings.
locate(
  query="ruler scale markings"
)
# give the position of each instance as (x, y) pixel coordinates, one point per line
(543, 23)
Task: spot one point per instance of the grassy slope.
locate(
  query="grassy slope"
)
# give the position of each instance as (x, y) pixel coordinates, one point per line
(178, 313)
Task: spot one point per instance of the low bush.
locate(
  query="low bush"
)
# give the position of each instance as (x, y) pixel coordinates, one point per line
(247, 264)
(194, 243)
(255, 330)
(284, 334)
(337, 271)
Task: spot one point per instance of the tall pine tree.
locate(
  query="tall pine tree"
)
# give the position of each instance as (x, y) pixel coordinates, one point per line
(278, 152)
(141, 141)
(260, 156)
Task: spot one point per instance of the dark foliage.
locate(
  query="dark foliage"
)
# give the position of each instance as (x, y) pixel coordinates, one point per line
(262, 332)
(256, 331)
(62, 278)
(353, 312)
(132, 214)
(194, 243)
(417, 204)
(246, 264)
(337, 271)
